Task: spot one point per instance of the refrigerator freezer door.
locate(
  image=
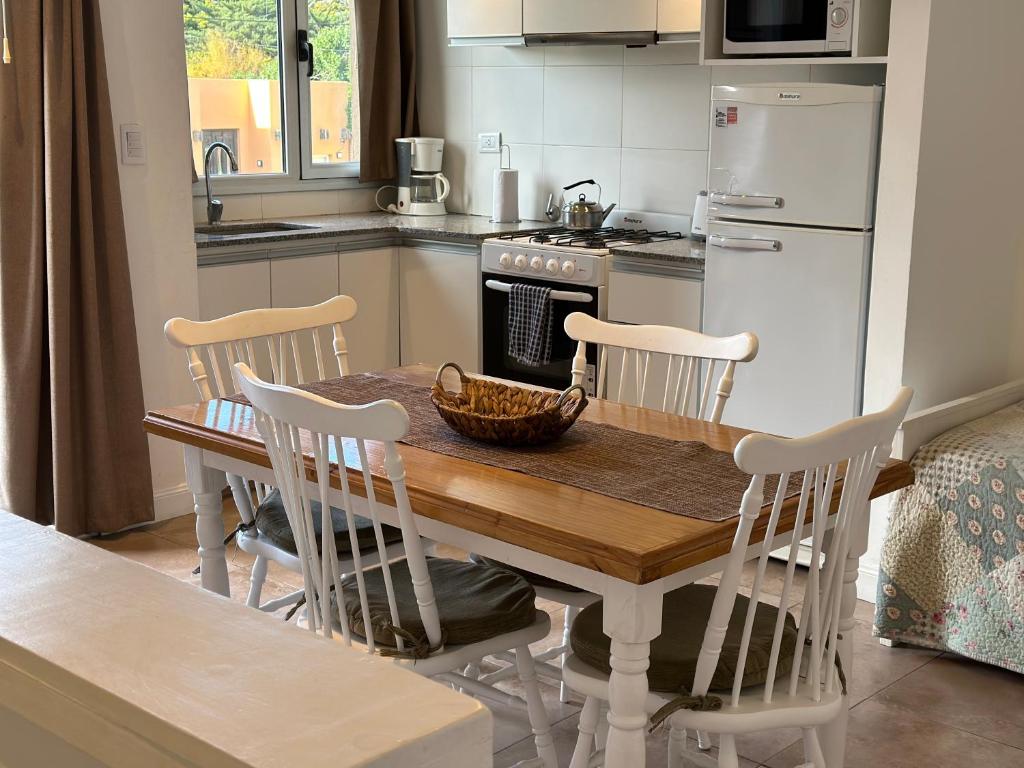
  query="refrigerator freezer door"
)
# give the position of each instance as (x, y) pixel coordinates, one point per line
(794, 154)
(804, 293)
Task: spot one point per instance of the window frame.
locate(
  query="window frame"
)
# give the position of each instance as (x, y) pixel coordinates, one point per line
(302, 175)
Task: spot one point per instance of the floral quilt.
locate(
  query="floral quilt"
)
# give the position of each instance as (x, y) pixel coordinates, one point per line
(952, 570)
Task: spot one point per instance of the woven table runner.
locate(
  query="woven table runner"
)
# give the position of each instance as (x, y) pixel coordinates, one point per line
(683, 477)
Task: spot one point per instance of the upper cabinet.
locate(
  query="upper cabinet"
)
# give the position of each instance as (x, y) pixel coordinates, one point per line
(679, 17)
(494, 21)
(568, 16)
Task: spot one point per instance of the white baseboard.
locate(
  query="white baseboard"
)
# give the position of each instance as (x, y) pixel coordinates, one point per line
(867, 581)
(173, 502)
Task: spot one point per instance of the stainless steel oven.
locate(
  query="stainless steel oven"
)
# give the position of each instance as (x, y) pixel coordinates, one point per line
(789, 27)
(567, 299)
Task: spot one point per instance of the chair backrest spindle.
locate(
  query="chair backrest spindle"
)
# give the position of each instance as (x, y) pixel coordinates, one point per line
(659, 364)
(294, 425)
(850, 454)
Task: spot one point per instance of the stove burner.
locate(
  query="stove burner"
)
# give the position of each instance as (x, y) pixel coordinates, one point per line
(602, 237)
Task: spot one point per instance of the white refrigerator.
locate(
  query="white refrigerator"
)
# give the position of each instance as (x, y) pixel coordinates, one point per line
(791, 185)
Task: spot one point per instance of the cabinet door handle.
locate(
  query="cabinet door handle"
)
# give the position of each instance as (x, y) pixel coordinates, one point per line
(746, 201)
(745, 243)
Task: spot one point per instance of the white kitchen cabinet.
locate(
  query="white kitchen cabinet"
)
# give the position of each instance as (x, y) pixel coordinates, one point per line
(476, 19)
(678, 17)
(302, 281)
(651, 299)
(228, 288)
(563, 16)
(371, 278)
(439, 306)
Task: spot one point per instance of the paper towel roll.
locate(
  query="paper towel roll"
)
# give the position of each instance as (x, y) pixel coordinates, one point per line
(506, 196)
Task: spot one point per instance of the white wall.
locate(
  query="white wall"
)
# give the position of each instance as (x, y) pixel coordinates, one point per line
(947, 298)
(146, 71)
(634, 119)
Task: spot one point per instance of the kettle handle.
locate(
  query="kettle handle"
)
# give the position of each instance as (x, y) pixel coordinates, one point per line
(585, 181)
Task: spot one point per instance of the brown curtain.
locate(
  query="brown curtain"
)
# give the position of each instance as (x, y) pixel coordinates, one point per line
(72, 450)
(386, 60)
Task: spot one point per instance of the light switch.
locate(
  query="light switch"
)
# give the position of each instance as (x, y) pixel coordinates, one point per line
(133, 144)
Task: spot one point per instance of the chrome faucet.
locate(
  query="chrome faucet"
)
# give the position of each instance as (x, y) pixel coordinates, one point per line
(215, 208)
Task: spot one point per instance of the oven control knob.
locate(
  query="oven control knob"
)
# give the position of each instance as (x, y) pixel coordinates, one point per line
(505, 260)
(521, 261)
(568, 268)
(536, 263)
(839, 16)
(552, 266)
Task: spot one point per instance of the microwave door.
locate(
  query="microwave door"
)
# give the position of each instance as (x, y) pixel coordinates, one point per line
(809, 159)
(782, 26)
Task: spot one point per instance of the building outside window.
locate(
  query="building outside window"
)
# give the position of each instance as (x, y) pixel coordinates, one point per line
(277, 82)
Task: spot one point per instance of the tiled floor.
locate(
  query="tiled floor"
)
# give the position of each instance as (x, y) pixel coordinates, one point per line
(911, 707)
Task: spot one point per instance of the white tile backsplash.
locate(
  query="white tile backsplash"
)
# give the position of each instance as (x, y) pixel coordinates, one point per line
(527, 159)
(567, 165)
(737, 74)
(583, 106)
(445, 104)
(510, 100)
(665, 107)
(587, 55)
(511, 56)
(662, 180)
(674, 53)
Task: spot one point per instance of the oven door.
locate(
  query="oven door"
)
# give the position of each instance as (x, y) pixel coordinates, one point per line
(775, 26)
(557, 374)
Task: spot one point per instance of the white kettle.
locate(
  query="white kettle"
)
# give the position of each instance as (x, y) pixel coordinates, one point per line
(699, 222)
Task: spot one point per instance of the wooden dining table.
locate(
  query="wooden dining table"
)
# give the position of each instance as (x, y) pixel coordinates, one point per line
(629, 554)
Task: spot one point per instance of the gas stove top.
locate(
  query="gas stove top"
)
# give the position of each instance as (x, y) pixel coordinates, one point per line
(563, 255)
(601, 239)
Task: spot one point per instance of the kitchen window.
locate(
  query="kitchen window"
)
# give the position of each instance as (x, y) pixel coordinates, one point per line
(275, 80)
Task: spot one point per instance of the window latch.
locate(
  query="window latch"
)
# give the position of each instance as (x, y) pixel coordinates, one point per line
(305, 49)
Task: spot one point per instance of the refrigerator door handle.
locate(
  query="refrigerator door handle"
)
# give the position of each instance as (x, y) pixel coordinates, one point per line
(746, 201)
(745, 243)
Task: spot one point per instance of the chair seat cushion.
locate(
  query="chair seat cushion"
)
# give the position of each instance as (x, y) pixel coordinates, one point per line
(674, 653)
(535, 579)
(474, 602)
(272, 522)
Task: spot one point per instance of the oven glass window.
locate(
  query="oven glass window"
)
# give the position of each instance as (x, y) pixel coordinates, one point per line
(762, 21)
(497, 362)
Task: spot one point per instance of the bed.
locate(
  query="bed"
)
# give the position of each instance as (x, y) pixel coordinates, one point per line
(952, 566)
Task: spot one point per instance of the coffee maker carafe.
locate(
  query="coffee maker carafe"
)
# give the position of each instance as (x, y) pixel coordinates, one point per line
(422, 188)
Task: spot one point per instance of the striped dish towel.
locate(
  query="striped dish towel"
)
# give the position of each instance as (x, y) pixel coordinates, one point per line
(530, 317)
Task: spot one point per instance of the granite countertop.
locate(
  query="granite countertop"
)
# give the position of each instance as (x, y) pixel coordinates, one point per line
(685, 252)
(454, 227)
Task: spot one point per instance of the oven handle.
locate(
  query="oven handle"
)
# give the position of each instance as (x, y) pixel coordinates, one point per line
(574, 296)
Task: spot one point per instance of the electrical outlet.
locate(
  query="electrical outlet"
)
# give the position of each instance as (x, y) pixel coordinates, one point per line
(489, 142)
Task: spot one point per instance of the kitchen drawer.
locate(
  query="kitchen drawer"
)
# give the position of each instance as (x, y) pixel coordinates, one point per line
(644, 299)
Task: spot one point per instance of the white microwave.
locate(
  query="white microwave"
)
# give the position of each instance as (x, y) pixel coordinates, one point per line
(790, 27)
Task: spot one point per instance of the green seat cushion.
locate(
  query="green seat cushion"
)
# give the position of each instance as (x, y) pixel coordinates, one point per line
(674, 653)
(272, 522)
(475, 602)
(533, 578)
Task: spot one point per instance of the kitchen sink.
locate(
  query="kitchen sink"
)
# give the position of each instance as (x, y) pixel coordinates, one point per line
(250, 228)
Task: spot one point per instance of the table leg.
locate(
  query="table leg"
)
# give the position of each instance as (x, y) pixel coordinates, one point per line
(632, 618)
(206, 485)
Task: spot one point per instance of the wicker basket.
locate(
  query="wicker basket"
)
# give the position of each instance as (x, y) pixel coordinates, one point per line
(497, 413)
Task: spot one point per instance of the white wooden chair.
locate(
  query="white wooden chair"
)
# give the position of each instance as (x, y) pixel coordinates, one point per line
(658, 367)
(800, 684)
(290, 345)
(432, 614)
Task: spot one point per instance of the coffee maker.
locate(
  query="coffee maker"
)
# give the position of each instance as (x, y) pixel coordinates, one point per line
(422, 188)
